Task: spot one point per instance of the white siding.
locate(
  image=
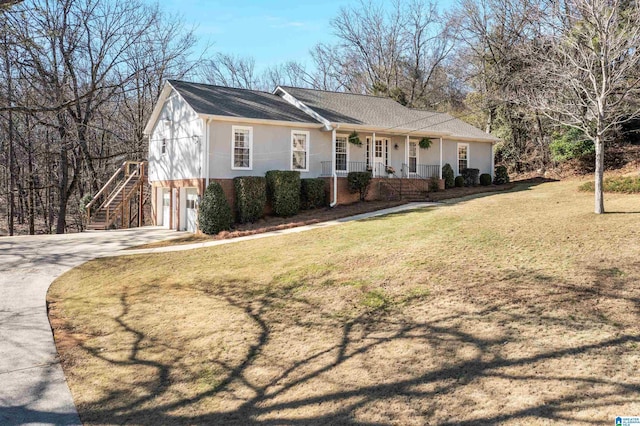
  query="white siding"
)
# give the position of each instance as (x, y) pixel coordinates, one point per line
(271, 149)
(182, 159)
(479, 155)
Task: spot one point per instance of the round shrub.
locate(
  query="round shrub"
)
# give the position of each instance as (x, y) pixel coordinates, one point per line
(214, 213)
(359, 182)
(283, 190)
(312, 193)
(459, 182)
(500, 176)
(485, 179)
(251, 197)
(448, 176)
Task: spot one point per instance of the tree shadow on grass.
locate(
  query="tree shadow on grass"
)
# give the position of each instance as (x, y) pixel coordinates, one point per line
(298, 394)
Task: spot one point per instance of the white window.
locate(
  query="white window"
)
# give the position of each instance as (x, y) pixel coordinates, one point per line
(300, 150)
(341, 153)
(463, 157)
(242, 148)
(163, 149)
(413, 157)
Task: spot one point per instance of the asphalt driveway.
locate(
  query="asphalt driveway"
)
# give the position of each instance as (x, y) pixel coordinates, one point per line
(32, 386)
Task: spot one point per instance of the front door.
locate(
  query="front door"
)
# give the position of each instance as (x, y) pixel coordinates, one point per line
(379, 158)
(166, 201)
(192, 215)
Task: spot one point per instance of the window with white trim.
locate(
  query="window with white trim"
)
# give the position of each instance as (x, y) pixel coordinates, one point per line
(242, 148)
(300, 150)
(413, 157)
(463, 157)
(341, 153)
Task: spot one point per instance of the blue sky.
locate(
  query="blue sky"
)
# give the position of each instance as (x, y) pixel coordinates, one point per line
(272, 32)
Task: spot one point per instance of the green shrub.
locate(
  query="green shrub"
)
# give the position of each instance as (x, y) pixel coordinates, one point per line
(312, 193)
(448, 176)
(251, 197)
(214, 213)
(359, 182)
(459, 182)
(500, 176)
(283, 190)
(625, 185)
(570, 144)
(470, 176)
(434, 183)
(485, 179)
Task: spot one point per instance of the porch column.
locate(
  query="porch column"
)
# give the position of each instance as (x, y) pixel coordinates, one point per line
(372, 154)
(440, 157)
(406, 155)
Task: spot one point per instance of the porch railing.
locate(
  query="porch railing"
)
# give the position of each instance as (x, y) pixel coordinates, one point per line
(422, 171)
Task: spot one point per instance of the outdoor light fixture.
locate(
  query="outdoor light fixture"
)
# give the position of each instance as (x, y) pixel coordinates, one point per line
(196, 138)
(395, 147)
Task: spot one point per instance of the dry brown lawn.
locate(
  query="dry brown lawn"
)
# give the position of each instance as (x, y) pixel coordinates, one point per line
(509, 308)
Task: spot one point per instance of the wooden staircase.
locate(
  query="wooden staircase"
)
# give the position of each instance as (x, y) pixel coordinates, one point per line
(113, 206)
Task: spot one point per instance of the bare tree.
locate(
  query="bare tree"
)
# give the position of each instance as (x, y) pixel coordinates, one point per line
(585, 70)
(231, 71)
(84, 76)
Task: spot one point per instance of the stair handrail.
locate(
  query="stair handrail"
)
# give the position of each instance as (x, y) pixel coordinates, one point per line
(117, 192)
(120, 188)
(105, 186)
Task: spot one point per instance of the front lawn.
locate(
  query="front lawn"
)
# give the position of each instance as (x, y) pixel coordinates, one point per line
(511, 308)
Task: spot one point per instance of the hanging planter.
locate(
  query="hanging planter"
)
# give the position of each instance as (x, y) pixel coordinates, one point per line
(425, 143)
(355, 139)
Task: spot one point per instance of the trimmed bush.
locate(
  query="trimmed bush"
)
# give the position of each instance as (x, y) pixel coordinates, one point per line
(622, 184)
(470, 176)
(459, 182)
(312, 193)
(485, 179)
(283, 191)
(500, 176)
(214, 213)
(448, 176)
(434, 183)
(359, 182)
(251, 197)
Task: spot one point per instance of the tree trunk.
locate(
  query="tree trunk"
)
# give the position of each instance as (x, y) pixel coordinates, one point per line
(599, 192)
(63, 180)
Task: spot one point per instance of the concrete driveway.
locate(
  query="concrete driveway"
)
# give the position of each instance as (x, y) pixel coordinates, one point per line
(33, 389)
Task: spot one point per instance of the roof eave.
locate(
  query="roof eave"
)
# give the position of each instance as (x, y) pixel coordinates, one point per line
(231, 118)
(158, 108)
(391, 130)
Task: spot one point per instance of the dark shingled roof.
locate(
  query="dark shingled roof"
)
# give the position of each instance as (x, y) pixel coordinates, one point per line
(227, 101)
(337, 107)
(350, 108)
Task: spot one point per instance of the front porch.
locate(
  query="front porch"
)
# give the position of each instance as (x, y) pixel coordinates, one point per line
(380, 170)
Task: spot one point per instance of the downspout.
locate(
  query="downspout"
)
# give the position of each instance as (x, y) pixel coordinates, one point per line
(207, 160)
(334, 175)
